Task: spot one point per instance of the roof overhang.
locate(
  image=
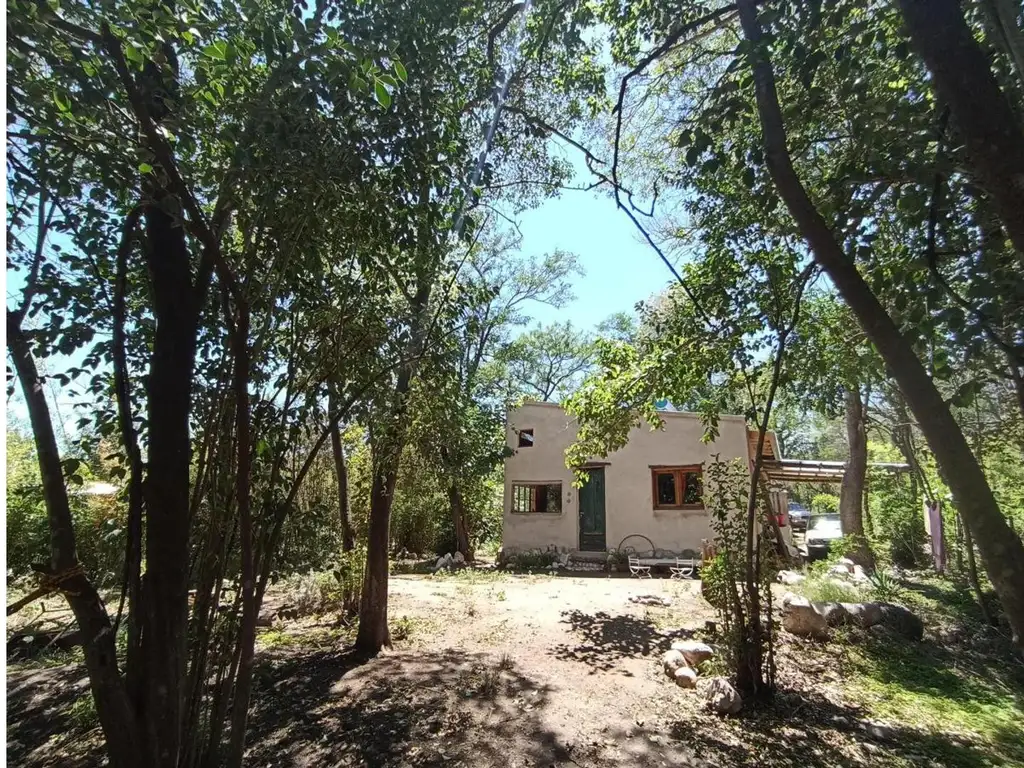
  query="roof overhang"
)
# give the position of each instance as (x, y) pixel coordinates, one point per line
(810, 471)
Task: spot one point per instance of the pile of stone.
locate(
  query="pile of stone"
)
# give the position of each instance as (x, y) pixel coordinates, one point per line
(661, 600)
(681, 663)
(561, 563)
(802, 617)
(847, 570)
(450, 562)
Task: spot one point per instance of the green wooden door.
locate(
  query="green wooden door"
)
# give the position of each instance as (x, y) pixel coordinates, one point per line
(592, 512)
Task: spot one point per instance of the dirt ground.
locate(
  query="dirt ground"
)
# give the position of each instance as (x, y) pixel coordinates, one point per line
(503, 670)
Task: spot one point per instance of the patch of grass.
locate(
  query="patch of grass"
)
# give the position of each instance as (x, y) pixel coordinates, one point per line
(276, 638)
(470, 576)
(825, 590)
(481, 682)
(501, 596)
(82, 713)
(506, 662)
(961, 693)
(494, 634)
(402, 628)
(411, 566)
(54, 657)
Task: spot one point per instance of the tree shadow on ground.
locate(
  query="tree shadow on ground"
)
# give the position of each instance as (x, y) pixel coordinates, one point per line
(607, 639)
(806, 728)
(405, 708)
(42, 728)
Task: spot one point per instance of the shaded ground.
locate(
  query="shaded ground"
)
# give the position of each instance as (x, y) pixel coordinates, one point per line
(499, 670)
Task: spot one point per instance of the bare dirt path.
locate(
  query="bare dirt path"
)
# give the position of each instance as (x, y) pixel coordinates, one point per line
(504, 671)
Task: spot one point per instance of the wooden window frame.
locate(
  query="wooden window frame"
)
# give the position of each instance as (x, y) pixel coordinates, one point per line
(533, 498)
(519, 438)
(680, 473)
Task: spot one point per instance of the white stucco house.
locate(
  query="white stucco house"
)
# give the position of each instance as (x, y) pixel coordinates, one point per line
(651, 487)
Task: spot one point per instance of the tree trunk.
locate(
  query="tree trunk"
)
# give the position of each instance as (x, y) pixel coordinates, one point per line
(972, 573)
(125, 747)
(1002, 551)
(169, 399)
(984, 118)
(851, 493)
(373, 606)
(344, 519)
(459, 520)
(1000, 15)
(247, 637)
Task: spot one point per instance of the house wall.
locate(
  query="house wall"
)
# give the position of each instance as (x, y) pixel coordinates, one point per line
(629, 507)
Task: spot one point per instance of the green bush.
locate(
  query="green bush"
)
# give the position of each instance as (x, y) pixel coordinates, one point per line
(826, 590)
(349, 579)
(530, 561)
(897, 518)
(99, 520)
(884, 587)
(824, 504)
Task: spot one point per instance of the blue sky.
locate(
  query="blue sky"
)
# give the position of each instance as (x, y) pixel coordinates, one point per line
(620, 270)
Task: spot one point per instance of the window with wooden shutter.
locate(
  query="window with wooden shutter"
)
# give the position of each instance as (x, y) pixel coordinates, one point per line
(677, 487)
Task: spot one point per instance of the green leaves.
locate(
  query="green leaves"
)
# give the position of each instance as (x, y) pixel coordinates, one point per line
(218, 51)
(382, 94)
(399, 70)
(62, 99)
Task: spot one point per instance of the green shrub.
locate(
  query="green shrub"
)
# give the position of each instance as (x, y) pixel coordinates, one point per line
(349, 578)
(402, 628)
(313, 593)
(884, 587)
(530, 561)
(825, 590)
(824, 504)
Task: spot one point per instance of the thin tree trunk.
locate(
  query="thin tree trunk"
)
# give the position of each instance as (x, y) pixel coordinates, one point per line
(344, 518)
(459, 520)
(984, 118)
(373, 631)
(247, 638)
(851, 493)
(373, 606)
(125, 746)
(1002, 551)
(131, 586)
(972, 573)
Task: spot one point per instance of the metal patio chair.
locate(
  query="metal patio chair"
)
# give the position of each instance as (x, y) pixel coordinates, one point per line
(638, 570)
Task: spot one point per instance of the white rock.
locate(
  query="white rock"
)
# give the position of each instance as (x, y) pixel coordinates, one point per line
(800, 617)
(685, 677)
(671, 661)
(720, 696)
(459, 558)
(694, 652)
(790, 577)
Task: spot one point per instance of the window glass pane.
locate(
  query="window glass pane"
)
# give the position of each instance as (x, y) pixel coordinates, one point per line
(693, 492)
(522, 496)
(553, 499)
(666, 489)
